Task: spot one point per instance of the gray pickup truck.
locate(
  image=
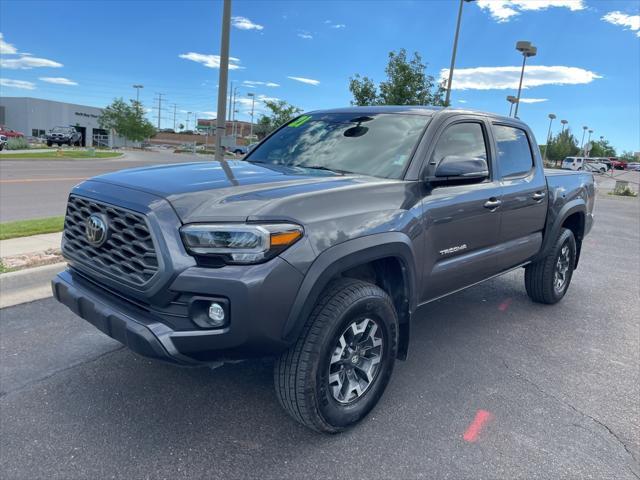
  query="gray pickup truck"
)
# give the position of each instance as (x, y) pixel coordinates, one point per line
(320, 246)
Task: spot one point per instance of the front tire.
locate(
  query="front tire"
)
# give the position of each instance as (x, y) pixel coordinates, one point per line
(337, 370)
(548, 279)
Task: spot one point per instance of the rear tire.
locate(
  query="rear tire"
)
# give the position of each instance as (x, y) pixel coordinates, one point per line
(548, 279)
(337, 370)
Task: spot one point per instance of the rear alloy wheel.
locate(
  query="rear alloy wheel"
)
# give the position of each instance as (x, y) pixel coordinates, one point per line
(548, 279)
(337, 370)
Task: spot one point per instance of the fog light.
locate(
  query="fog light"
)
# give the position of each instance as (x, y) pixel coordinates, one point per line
(216, 314)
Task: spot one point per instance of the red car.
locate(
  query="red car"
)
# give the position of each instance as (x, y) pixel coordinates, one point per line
(7, 132)
(616, 164)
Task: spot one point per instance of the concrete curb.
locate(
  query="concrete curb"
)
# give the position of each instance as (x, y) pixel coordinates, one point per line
(27, 285)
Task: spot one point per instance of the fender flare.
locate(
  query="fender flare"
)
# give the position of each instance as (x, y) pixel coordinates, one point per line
(577, 205)
(342, 257)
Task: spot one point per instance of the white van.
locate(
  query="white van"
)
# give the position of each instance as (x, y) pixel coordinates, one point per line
(581, 163)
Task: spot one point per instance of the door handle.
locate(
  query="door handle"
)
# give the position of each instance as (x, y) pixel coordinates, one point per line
(492, 203)
(538, 196)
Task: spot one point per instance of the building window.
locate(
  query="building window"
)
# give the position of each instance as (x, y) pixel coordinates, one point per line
(36, 132)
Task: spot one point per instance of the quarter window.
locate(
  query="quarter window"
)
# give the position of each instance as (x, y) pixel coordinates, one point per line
(514, 151)
(464, 140)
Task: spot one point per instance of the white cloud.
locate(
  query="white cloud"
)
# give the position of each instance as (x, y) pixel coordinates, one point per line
(210, 114)
(462, 101)
(22, 84)
(338, 25)
(533, 100)
(210, 61)
(251, 83)
(27, 62)
(501, 78)
(309, 81)
(243, 23)
(58, 80)
(305, 35)
(504, 10)
(632, 22)
(6, 48)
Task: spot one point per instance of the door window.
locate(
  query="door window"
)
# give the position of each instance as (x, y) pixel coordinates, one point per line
(465, 140)
(514, 151)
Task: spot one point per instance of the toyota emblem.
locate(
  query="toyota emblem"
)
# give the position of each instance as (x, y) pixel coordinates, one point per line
(95, 230)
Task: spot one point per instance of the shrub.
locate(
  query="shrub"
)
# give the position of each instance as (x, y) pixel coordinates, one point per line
(18, 143)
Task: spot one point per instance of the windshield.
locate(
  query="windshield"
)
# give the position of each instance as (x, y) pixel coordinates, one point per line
(60, 129)
(373, 144)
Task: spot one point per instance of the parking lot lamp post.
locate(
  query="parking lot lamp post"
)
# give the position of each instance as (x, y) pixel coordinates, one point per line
(564, 123)
(221, 121)
(511, 99)
(546, 148)
(253, 101)
(453, 53)
(188, 115)
(138, 87)
(584, 131)
(527, 51)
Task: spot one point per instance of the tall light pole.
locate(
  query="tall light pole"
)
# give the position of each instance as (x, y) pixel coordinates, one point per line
(564, 123)
(222, 81)
(188, 115)
(546, 148)
(527, 51)
(453, 53)
(584, 131)
(589, 139)
(253, 102)
(138, 87)
(511, 99)
(233, 112)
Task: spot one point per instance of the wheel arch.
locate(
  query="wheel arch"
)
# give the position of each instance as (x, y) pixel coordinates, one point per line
(571, 216)
(386, 259)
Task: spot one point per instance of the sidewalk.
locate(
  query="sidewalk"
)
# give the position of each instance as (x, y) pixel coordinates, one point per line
(25, 245)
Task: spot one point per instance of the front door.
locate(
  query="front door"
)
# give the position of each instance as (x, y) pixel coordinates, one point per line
(462, 222)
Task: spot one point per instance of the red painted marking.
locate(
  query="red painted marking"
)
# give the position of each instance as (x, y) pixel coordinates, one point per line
(504, 305)
(471, 434)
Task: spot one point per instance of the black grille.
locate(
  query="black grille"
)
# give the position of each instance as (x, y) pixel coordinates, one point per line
(128, 253)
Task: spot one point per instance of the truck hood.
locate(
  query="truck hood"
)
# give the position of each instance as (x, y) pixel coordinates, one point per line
(239, 190)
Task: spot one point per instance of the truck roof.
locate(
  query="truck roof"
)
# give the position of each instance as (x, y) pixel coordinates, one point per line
(417, 110)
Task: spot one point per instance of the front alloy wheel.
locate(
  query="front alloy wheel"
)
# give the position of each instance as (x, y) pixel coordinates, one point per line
(355, 361)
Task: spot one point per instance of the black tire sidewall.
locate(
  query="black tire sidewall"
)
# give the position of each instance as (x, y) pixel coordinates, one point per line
(338, 415)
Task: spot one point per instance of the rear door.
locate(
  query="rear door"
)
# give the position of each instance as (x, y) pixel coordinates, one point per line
(462, 222)
(524, 194)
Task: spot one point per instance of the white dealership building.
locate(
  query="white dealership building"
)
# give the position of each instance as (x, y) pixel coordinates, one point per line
(35, 117)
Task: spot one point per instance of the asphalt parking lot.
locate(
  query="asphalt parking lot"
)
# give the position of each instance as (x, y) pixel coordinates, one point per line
(559, 384)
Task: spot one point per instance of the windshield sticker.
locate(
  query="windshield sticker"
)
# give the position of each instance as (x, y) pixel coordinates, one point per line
(300, 121)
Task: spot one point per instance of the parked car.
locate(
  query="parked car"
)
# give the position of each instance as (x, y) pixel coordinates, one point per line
(9, 133)
(617, 164)
(633, 167)
(3, 142)
(581, 163)
(320, 247)
(64, 136)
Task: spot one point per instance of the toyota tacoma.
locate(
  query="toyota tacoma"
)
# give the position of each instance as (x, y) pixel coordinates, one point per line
(320, 246)
(64, 135)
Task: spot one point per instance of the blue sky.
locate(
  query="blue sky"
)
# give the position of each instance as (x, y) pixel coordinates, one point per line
(587, 70)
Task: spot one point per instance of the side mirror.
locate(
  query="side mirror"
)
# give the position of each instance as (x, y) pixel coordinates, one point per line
(455, 168)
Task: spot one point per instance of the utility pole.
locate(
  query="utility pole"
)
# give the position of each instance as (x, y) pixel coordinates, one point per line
(174, 116)
(160, 109)
(222, 80)
(253, 102)
(233, 113)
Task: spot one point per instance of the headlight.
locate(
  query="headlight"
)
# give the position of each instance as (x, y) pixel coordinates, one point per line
(240, 243)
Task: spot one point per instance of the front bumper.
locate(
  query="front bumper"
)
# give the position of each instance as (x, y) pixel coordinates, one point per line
(259, 306)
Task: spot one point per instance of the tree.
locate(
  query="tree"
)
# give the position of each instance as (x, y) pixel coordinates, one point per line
(406, 84)
(560, 146)
(627, 157)
(280, 112)
(602, 149)
(127, 119)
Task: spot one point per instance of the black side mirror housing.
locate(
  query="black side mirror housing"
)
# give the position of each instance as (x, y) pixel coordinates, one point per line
(457, 169)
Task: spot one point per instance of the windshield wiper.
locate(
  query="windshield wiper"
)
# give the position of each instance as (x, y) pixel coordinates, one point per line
(322, 167)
